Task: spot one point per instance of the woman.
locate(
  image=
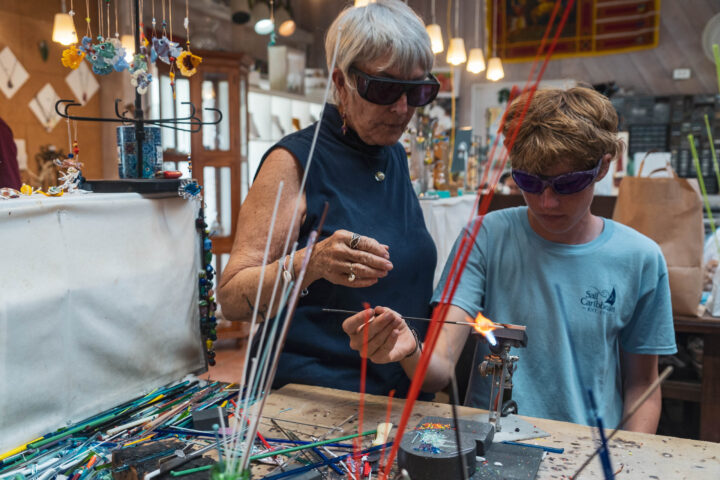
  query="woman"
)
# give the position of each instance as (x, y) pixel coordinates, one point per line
(374, 246)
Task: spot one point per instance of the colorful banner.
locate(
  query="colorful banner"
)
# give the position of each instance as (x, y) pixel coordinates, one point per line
(594, 27)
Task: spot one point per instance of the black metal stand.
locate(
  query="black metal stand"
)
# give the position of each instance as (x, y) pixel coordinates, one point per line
(192, 122)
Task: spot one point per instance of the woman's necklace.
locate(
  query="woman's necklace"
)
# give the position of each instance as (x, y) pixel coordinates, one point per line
(10, 73)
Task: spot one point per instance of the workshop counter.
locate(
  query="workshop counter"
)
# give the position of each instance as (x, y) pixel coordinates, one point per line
(636, 455)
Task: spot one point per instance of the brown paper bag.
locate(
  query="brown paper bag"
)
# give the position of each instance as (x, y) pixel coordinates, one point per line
(669, 210)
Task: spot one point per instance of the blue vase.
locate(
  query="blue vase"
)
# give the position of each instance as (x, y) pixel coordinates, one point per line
(127, 152)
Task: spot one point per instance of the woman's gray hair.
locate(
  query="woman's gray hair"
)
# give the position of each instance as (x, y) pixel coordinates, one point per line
(385, 27)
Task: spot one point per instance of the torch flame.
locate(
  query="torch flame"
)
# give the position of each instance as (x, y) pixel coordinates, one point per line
(484, 326)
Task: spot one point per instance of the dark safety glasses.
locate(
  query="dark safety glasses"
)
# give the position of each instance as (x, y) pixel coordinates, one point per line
(565, 184)
(386, 91)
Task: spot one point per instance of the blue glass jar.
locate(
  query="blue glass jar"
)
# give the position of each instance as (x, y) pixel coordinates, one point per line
(127, 152)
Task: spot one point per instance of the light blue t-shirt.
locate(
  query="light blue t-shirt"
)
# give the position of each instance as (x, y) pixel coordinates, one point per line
(613, 293)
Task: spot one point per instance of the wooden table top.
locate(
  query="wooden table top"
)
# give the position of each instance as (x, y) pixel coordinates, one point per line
(639, 455)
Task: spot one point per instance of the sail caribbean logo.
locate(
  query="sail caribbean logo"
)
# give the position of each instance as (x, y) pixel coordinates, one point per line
(599, 300)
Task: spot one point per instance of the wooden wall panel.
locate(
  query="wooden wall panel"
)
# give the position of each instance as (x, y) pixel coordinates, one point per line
(22, 25)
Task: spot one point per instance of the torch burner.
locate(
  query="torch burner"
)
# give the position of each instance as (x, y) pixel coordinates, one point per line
(500, 365)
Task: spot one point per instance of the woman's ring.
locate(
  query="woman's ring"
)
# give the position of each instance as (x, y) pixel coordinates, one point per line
(354, 241)
(351, 277)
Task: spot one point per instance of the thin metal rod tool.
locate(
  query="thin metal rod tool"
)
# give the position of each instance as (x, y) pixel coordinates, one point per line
(419, 319)
(320, 439)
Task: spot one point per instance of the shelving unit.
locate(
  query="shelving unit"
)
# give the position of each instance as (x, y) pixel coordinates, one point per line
(273, 115)
(662, 123)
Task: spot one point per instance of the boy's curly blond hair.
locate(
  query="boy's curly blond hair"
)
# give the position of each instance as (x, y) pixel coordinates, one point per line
(573, 127)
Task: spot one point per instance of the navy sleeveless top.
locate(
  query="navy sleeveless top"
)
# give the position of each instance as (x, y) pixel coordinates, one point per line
(342, 173)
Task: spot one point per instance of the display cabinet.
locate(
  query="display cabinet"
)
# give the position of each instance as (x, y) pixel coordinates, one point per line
(217, 155)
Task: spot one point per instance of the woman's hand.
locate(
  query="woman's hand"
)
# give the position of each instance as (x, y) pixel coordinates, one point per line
(389, 337)
(350, 259)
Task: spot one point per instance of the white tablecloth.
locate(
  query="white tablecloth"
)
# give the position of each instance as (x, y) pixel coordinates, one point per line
(445, 219)
(98, 304)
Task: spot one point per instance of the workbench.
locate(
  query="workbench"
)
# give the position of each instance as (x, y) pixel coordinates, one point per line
(639, 455)
(707, 392)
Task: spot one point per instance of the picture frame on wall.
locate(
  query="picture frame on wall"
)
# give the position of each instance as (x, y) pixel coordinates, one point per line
(591, 28)
(445, 76)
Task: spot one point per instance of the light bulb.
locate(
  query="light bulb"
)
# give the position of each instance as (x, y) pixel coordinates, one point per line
(264, 27)
(456, 51)
(476, 61)
(435, 33)
(287, 28)
(495, 69)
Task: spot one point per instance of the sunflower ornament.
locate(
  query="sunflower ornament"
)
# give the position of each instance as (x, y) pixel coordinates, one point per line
(72, 57)
(187, 63)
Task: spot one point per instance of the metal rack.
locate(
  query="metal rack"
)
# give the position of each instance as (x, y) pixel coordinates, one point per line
(192, 122)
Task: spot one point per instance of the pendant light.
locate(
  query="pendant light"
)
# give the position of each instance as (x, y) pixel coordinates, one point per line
(476, 61)
(435, 32)
(127, 42)
(456, 51)
(64, 28)
(240, 11)
(262, 19)
(495, 69)
(284, 20)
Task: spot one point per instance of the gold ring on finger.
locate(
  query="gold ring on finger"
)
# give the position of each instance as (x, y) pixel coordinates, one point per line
(351, 276)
